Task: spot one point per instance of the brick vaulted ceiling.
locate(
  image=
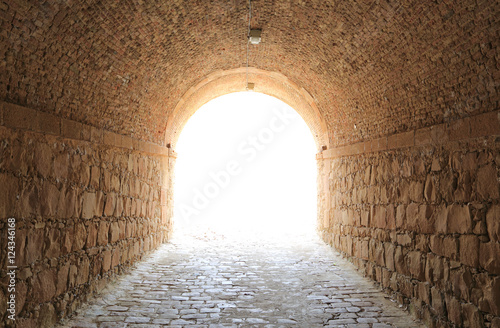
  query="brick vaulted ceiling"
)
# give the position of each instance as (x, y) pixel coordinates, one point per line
(385, 66)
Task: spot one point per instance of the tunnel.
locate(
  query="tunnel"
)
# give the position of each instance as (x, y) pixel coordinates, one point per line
(401, 99)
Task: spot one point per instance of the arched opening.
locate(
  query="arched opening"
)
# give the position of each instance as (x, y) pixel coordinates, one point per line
(270, 83)
(245, 166)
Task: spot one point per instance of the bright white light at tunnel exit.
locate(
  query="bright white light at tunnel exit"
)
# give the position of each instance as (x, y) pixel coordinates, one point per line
(246, 162)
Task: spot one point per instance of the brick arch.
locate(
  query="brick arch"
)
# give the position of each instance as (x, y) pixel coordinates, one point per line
(270, 83)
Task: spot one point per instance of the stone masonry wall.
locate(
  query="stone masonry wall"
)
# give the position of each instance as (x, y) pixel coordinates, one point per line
(419, 212)
(87, 204)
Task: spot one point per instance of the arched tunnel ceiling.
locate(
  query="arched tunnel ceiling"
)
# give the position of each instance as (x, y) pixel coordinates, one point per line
(385, 66)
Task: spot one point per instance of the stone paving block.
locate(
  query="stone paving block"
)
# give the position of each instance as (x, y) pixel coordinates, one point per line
(137, 319)
(276, 284)
(113, 325)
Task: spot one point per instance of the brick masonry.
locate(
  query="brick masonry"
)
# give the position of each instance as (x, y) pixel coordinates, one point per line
(88, 204)
(384, 67)
(419, 212)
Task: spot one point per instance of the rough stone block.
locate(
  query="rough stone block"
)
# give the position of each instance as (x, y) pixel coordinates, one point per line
(122, 226)
(103, 233)
(52, 246)
(459, 219)
(439, 134)
(100, 203)
(424, 292)
(379, 144)
(422, 243)
(106, 260)
(43, 159)
(454, 310)
(406, 139)
(485, 125)
(487, 182)
(10, 186)
(86, 134)
(119, 207)
(115, 183)
(105, 180)
(444, 246)
(44, 286)
(83, 272)
(469, 250)
(48, 315)
(378, 214)
(127, 142)
(392, 141)
(71, 129)
(109, 138)
(459, 129)
(441, 219)
(423, 137)
(49, 200)
(95, 174)
(447, 186)
(364, 249)
(425, 219)
(491, 300)
(83, 175)
(96, 135)
(21, 249)
(390, 218)
(365, 218)
(19, 117)
(21, 294)
(109, 207)
(114, 232)
(92, 230)
(488, 257)
(48, 123)
(401, 217)
(67, 239)
(472, 316)
(405, 239)
(35, 245)
(61, 166)
(462, 282)
(493, 222)
(399, 260)
(79, 236)
(412, 217)
(89, 208)
(62, 279)
(438, 303)
(115, 258)
(416, 265)
(73, 271)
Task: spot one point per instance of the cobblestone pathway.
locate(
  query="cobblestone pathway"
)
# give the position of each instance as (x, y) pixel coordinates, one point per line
(218, 282)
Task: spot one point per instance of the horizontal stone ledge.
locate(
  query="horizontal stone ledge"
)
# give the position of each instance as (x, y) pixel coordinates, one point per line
(478, 126)
(18, 117)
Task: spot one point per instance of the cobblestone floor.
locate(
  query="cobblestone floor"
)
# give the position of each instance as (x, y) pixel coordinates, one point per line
(212, 281)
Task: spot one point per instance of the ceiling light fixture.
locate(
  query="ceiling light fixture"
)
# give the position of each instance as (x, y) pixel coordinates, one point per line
(253, 37)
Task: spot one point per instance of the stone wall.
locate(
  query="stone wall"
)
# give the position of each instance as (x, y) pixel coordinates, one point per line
(419, 213)
(87, 204)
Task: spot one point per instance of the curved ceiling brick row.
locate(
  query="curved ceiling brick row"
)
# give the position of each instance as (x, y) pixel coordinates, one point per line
(373, 67)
